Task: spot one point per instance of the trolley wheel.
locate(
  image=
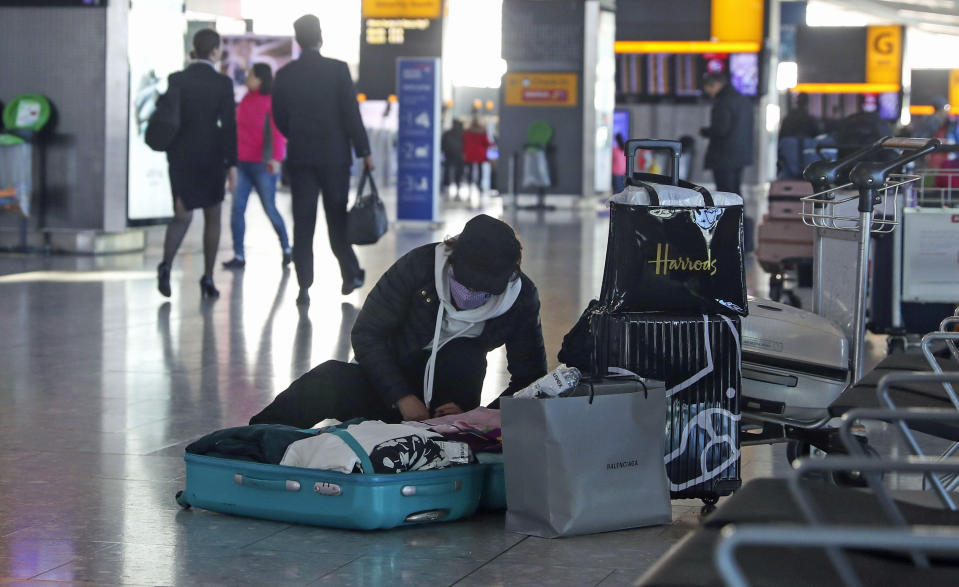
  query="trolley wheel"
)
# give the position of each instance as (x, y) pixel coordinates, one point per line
(855, 478)
(800, 449)
(183, 503)
(793, 300)
(775, 287)
(709, 505)
(896, 344)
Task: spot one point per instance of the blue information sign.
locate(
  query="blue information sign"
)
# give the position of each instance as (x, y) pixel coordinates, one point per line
(418, 143)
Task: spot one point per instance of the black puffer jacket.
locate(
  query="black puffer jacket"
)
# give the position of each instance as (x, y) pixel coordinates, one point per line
(399, 318)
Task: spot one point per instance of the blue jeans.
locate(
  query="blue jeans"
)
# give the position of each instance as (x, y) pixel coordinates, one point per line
(249, 176)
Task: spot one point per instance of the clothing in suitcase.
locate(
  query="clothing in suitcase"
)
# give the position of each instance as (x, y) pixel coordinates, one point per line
(698, 357)
(357, 500)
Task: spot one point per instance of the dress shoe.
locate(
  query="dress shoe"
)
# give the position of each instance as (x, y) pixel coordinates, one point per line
(163, 279)
(234, 263)
(353, 284)
(207, 289)
(304, 298)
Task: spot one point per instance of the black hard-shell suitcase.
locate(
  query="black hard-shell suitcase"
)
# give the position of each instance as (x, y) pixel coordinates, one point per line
(699, 358)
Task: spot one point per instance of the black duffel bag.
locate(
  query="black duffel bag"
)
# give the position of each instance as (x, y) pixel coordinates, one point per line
(366, 221)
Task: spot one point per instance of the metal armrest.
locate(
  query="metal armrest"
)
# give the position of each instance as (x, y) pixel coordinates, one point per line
(869, 467)
(950, 338)
(951, 321)
(937, 376)
(924, 540)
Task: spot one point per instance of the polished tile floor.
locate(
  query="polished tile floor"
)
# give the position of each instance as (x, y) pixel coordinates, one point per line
(103, 382)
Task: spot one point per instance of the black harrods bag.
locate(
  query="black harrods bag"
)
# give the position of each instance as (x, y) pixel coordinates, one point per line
(672, 245)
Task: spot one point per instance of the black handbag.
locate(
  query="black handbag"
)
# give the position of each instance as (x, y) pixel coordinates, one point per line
(366, 221)
(164, 123)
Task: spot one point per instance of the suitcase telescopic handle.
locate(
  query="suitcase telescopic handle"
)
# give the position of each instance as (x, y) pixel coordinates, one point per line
(675, 149)
(267, 484)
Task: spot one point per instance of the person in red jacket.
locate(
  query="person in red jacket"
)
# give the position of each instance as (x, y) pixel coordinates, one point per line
(476, 143)
(260, 148)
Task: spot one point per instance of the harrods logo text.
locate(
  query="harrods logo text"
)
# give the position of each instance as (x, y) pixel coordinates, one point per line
(664, 264)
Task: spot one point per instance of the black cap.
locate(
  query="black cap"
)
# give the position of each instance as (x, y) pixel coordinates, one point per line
(487, 255)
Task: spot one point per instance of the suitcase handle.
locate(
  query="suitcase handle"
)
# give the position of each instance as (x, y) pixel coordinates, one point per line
(266, 484)
(431, 489)
(675, 149)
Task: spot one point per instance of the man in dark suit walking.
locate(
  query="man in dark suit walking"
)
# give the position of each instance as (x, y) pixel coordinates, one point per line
(315, 107)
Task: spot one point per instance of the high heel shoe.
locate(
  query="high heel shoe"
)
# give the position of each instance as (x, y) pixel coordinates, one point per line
(163, 279)
(207, 289)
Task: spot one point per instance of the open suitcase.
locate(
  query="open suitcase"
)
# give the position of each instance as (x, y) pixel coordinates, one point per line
(328, 498)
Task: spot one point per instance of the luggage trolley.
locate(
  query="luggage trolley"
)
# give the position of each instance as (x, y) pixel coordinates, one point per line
(916, 279)
(844, 221)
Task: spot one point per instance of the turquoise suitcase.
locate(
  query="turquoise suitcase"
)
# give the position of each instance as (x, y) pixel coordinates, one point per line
(328, 498)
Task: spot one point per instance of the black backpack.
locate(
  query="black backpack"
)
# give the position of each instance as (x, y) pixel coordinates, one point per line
(165, 121)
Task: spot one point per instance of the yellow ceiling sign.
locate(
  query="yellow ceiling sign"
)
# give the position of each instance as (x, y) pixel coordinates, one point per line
(954, 91)
(884, 54)
(402, 8)
(737, 20)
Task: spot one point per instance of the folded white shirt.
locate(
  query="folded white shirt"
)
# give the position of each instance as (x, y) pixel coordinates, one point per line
(329, 452)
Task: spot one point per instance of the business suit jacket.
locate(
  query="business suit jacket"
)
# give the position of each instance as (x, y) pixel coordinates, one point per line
(730, 131)
(205, 144)
(314, 106)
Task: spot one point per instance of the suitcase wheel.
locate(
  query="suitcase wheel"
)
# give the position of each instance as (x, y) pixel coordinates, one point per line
(181, 500)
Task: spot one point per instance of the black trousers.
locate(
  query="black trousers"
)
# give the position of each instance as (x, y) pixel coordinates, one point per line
(730, 179)
(306, 184)
(453, 172)
(341, 390)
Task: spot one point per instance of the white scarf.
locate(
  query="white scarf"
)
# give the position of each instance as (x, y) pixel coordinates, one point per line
(452, 323)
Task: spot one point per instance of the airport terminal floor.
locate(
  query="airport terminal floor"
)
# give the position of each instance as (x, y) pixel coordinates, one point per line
(105, 382)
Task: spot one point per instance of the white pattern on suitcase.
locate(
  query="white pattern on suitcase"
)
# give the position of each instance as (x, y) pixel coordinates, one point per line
(704, 371)
(704, 420)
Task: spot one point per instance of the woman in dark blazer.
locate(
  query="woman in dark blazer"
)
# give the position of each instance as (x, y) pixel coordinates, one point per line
(202, 157)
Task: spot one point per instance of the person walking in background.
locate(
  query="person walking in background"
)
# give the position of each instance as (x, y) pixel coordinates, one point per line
(260, 148)
(315, 107)
(452, 145)
(201, 158)
(798, 122)
(619, 164)
(476, 145)
(730, 134)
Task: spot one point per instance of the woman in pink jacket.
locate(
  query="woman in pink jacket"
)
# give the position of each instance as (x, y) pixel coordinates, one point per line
(260, 148)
